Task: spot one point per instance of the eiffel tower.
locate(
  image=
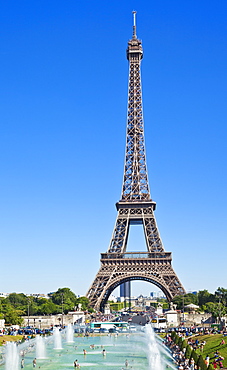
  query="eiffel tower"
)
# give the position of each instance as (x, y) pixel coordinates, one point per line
(135, 207)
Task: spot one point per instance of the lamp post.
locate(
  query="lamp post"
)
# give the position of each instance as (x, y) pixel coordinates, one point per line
(28, 310)
(62, 310)
(219, 310)
(183, 310)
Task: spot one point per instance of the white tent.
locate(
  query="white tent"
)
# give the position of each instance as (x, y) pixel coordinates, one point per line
(191, 306)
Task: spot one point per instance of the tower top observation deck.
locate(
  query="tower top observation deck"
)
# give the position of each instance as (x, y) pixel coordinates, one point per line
(134, 50)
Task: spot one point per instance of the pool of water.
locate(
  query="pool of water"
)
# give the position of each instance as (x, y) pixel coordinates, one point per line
(118, 349)
(139, 351)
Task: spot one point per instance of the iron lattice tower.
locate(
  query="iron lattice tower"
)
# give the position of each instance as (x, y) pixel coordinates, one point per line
(135, 207)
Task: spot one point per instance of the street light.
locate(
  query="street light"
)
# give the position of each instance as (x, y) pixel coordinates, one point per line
(62, 311)
(28, 310)
(183, 308)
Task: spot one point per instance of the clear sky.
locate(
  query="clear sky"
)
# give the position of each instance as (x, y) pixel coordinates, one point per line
(63, 106)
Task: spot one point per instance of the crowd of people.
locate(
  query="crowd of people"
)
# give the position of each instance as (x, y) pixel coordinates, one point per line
(184, 363)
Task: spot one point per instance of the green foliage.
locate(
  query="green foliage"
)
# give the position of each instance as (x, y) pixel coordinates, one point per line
(64, 297)
(154, 304)
(178, 340)
(84, 301)
(17, 305)
(204, 297)
(165, 306)
(182, 301)
(221, 296)
(173, 335)
(194, 356)
(183, 344)
(118, 306)
(188, 351)
(201, 364)
(162, 300)
(17, 300)
(48, 308)
(13, 317)
(216, 309)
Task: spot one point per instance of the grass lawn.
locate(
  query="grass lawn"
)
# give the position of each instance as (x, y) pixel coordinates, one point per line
(212, 345)
(11, 338)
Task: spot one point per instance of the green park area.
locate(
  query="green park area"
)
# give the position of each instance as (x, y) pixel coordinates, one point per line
(213, 344)
(10, 338)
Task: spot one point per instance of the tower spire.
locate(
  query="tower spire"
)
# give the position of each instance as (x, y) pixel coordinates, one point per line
(135, 181)
(134, 25)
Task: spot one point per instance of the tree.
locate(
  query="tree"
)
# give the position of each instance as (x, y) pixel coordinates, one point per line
(84, 301)
(194, 356)
(204, 296)
(178, 340)
(17, 300)
(48, 308)
(173, 335)
(216, 309)
(183, 300)
(221, 295)
(65, 298)
(188, 351)
(201, 364)
(183, 344)
(13, 317)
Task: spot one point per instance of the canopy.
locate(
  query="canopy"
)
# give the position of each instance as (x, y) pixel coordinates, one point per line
(191, 305)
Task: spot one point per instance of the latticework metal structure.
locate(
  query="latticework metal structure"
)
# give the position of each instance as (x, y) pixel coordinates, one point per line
(135, 207)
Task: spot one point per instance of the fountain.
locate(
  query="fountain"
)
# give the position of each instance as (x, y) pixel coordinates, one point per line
(40, 347)
(139, 350)
(153, 355)
(167, 357)
(69, 333)
(57, 339)
(12, 357)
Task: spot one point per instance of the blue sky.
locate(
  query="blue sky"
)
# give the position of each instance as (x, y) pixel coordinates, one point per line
(63, 106)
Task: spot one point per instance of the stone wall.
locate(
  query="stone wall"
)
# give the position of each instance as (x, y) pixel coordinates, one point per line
(45, 322)
(200, 319)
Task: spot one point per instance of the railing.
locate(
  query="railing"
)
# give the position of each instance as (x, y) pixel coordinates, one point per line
(137, 255)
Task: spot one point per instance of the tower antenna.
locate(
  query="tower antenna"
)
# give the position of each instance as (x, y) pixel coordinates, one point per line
(134, 25)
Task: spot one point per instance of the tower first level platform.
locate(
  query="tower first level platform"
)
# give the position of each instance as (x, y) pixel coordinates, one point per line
(119, 266)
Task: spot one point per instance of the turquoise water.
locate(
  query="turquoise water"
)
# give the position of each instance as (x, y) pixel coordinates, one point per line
(118, 349)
